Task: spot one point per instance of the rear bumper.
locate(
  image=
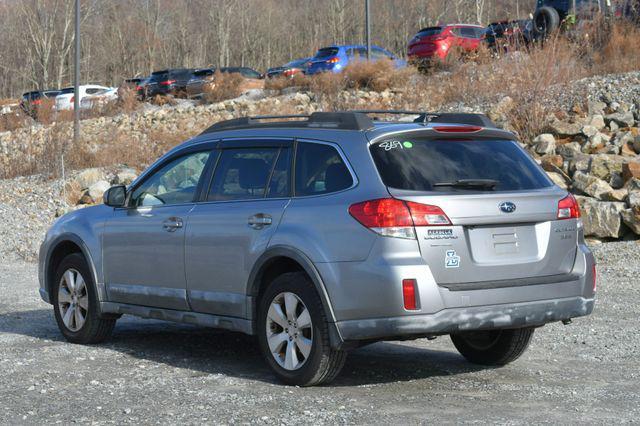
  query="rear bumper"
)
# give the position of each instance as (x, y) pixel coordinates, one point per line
(515, 315)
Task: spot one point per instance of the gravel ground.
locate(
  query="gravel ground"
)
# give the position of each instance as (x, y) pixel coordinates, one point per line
(152, 372)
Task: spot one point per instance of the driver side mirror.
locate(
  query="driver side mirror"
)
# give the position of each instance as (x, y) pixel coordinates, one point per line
(115, 196)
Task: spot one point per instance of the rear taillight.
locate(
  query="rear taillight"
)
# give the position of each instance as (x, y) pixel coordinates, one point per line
(395, 218)
(333, 60)
(568, 208)
(138, 88)
(457, 129)
(73, 98)
(409, 294)
(291, 72)
(595, 275)
(37, 102)
(167, 82)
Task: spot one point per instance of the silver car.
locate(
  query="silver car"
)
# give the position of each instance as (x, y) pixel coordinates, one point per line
(324, 233)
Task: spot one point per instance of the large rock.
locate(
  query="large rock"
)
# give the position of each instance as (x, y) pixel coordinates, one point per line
(125, 176)
(631, 170)
(603, 165)
(590, 185)
(96, 191)
(564, 129)
(544, 144)
(568, 150)
(558, 179)
(636, 144)
(631, 218)
(633, 187)
(88, 177)
(622, 119)
(601, 219)
(597, 121)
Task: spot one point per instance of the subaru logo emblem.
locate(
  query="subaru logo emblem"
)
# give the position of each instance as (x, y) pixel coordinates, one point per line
(507, 207)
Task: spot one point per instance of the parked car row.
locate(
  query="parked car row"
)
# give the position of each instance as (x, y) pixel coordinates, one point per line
(91, 95)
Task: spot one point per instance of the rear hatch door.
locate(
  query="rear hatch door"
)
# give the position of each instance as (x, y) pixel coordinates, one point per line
(501, 205)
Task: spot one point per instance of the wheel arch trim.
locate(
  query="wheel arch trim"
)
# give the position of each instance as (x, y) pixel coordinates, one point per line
(75, 239)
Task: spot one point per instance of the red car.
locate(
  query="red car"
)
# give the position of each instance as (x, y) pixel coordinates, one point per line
(436, 43)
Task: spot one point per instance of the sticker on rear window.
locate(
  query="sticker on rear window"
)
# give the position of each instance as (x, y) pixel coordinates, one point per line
(451, 259)
(389, 145)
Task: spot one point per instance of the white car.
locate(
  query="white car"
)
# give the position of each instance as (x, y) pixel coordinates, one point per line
(99, 99)
(64, 101)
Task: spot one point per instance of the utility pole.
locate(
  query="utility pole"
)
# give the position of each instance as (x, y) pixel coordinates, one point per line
(367, 18)
(76, 80)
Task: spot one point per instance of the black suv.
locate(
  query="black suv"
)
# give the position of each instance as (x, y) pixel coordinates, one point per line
(168, 82)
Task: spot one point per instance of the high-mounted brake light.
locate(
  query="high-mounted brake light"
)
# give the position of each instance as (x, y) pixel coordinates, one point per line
(395, 218)
(167, 82)
(457, 129)
(568, 208)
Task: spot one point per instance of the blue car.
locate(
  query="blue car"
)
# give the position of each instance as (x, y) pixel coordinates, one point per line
(335, 58)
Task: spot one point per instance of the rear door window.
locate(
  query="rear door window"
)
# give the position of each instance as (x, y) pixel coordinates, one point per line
(420, 164)
(320, 170)
(243, 174)
(468, 32)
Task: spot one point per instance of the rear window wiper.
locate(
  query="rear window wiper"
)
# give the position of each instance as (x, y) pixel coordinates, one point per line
(489, 184)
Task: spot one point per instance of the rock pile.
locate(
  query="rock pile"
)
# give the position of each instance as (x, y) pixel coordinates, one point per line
(597, 157)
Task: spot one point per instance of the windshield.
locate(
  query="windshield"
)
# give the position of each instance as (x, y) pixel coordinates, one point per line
(422, 164)
(67, 90)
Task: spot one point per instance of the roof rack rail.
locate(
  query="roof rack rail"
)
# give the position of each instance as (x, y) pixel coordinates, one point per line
(345, 120)
(323, 120)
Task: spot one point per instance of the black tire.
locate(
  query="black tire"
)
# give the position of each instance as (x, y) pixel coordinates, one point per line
(323, 363)
(493, 347)
(546, 20)
(95, 328)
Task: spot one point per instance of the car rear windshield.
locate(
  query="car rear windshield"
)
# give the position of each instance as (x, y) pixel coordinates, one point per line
(202, 73)
(67, 90)
(326, 52)
(427, 32)
(422, 164)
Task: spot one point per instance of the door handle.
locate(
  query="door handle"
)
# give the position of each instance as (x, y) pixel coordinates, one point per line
(259, 221)
(172, 224)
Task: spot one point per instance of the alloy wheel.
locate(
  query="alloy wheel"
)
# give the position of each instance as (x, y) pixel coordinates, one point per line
(289, 331)
(73, 300)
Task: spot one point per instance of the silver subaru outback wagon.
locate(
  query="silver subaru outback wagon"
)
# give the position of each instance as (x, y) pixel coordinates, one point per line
(323, 233)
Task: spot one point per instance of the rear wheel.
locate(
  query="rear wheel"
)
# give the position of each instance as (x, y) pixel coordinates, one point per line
(293, 332)
(493, 347)
(75, 303)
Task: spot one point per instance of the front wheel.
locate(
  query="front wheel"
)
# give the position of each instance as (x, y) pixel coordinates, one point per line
(75, 303)
(492, 347)
(294, 334)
